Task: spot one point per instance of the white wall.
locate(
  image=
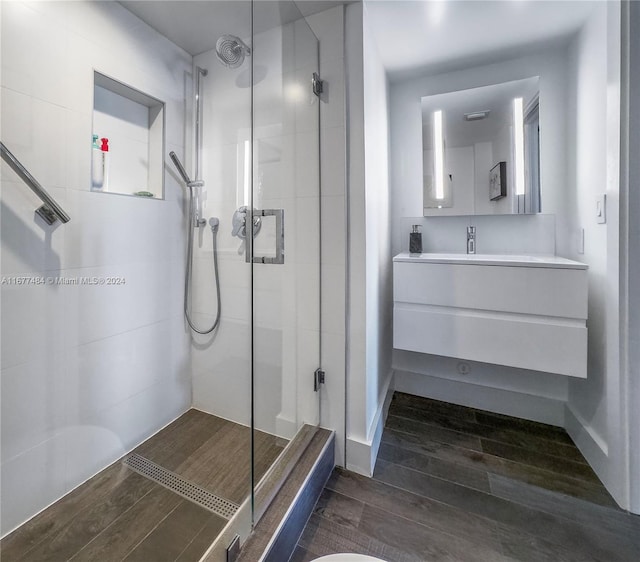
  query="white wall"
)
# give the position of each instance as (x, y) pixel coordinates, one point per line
(222, 360)
(378, 238)
(358, 448)
(406, 150)
(369, 359)
(517, 392)
(538, 397)
(595, 415)
(88, 372)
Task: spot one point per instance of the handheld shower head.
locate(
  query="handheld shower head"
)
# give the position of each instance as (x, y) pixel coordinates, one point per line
(180, 168)
(231, 51)
(189, 183)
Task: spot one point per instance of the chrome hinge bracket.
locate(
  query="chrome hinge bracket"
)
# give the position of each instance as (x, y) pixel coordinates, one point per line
(318, 379)
(317, 84)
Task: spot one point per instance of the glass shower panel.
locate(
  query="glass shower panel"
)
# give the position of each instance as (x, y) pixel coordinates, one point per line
(221, 361)
(286, 250)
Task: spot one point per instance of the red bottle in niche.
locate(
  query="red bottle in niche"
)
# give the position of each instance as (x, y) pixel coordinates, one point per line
(105, 162)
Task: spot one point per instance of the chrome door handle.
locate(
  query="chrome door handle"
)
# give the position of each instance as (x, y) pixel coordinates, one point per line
(279, 216)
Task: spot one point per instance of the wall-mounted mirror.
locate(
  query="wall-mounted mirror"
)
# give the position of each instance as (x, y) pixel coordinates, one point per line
(481, 150)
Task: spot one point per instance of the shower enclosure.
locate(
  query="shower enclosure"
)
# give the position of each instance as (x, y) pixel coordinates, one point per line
(212, 401)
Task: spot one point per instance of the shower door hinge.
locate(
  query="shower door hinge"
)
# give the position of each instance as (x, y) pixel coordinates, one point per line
(317, 84)
(318, 379)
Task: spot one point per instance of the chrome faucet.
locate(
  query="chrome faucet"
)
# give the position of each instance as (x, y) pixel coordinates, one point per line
(471, 240)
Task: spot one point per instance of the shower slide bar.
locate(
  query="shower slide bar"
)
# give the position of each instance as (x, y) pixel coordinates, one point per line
(50, 211)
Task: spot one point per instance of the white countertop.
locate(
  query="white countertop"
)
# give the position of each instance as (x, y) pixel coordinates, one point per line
(492, 259)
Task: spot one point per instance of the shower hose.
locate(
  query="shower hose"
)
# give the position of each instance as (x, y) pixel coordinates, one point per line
(189, 268)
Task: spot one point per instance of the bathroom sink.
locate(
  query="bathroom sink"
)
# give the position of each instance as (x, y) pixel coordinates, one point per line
(492, 259)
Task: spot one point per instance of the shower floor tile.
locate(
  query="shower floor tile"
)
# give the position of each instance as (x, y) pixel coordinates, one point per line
(120, 515)
(212, 452)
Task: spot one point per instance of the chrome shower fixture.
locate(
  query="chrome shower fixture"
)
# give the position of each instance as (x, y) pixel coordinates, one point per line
(183, 172)
(179, 167)
(195, 222)
(239, 223)
(231, 51)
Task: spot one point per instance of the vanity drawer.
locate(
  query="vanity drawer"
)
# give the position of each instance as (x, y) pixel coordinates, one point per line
(516, 340)
(526, 290)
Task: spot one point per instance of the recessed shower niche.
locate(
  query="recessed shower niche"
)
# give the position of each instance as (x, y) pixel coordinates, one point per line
(128, 140)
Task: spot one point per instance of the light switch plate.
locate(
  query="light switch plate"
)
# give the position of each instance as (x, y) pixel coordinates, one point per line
(580, 240)
(601, 209)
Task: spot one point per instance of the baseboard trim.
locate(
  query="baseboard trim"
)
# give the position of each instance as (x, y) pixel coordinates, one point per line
(362, 454)
(528, 406)
(584, 435)
(595, 449)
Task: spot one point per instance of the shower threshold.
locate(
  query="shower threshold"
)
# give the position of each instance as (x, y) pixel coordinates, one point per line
(123, 514)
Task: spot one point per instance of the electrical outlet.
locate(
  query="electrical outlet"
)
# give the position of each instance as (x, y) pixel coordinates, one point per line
(463, 368)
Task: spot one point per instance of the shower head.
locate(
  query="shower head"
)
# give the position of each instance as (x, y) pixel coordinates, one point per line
(185, 177)
(179, 167)
(231, 51)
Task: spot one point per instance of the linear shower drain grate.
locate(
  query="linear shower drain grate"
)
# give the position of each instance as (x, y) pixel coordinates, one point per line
(180, 486)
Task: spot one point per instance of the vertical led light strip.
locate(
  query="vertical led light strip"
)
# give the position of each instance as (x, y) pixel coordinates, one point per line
(247, 171)
(518, 128)
(438, 154)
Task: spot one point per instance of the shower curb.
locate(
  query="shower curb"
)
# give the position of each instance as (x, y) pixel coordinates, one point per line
(276, 535)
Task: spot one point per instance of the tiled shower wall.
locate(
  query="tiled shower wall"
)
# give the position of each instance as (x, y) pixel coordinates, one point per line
(284, 339)
(88, 371)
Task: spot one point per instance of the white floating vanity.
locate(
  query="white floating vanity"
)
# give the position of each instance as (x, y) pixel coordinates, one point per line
(522, 311)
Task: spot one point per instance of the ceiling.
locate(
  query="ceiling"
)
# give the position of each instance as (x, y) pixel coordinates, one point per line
(444, 34)
(195, 25)
(411, 35)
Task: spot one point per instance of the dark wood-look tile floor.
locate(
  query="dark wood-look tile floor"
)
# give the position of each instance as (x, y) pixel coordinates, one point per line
(120, 515)
(457, 484)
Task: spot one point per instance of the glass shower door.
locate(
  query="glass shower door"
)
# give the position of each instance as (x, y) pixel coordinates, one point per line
(285, 253)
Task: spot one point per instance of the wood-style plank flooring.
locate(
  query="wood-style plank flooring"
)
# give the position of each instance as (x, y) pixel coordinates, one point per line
(458, 484)
(120, 515)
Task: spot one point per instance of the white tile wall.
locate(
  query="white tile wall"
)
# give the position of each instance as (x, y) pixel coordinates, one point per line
(34, 407)
(33, 480)
(87, 371)
(285, 297)
(221, 369)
